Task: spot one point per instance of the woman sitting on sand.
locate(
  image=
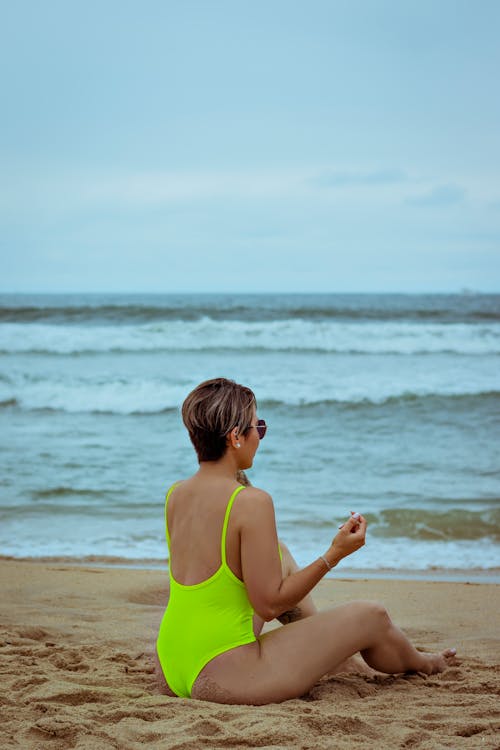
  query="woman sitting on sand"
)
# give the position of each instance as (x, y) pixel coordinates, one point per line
(226, 578)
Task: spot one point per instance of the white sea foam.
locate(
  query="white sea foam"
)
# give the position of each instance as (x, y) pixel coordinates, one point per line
(113, 396)
(302, 387)
(207, 334)
(145, 541)
(404, 554)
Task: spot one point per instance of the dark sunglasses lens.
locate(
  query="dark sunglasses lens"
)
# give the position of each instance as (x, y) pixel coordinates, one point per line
(261, 428)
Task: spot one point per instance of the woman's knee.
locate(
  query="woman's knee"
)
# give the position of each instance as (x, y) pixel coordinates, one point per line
(284, 548)
(378, 614)
(288, 564)
(373, 613)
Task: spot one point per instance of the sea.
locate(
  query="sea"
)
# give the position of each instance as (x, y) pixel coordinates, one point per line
(385, 404)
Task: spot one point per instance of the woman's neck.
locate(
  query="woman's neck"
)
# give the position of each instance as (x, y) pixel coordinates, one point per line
(222, 468)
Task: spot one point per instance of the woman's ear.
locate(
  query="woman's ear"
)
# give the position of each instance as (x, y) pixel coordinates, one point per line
(233, 438)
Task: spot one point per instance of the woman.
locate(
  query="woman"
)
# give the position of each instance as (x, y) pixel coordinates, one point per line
(225, 566)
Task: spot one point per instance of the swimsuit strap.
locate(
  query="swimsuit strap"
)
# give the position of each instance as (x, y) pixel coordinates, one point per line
(166, 506)
(226, 521)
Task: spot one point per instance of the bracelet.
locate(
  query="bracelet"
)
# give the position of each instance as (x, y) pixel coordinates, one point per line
(322, 557)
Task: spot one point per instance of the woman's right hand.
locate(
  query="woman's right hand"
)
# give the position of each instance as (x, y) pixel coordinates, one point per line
(350, 537)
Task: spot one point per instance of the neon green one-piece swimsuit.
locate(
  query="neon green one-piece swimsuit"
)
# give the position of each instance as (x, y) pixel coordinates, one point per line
(202, 620)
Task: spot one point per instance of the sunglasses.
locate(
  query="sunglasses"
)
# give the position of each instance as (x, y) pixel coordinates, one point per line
(261, 427)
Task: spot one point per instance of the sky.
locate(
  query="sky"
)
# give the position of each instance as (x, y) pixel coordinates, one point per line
(264, 146)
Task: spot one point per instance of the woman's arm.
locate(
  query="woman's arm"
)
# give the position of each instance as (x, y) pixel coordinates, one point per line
(269, 593)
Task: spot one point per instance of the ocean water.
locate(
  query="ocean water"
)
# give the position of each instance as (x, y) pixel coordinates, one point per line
(384, 404)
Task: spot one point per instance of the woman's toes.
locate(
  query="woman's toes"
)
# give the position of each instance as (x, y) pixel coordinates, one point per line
(449, 655)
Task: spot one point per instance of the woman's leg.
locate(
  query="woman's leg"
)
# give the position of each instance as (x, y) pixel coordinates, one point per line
(286, 662)
(306, 608)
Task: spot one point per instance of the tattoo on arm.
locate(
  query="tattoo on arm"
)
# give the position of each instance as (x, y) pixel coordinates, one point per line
(291, 615)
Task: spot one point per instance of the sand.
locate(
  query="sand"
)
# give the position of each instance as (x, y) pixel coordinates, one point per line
(76, 647)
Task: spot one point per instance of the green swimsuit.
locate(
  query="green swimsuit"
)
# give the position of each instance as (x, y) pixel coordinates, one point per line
(202, 620)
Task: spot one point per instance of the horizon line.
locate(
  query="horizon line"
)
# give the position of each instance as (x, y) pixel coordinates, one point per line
(464, 291)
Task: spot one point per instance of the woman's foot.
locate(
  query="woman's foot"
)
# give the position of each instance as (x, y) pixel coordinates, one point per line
(434, 663)
(355, 665)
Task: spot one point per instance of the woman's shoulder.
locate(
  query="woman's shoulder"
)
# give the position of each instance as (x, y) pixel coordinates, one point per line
(254, 510)
(253, 497)
(174, 485)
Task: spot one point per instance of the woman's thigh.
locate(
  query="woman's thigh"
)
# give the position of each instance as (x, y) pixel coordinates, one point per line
(286, 662)
(161, 682)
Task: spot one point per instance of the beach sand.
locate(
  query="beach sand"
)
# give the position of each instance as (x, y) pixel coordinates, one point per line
(76, 648)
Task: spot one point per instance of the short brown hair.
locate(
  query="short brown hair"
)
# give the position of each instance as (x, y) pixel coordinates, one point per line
(212, 410)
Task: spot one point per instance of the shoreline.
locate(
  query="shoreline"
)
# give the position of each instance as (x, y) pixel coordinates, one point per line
(443, 575)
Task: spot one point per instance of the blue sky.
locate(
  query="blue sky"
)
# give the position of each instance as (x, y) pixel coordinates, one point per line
(250, 146)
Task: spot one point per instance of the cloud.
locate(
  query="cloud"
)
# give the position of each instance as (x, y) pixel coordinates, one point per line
(442, 195)
(293, 190)
(333, 179)
(148, 189)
